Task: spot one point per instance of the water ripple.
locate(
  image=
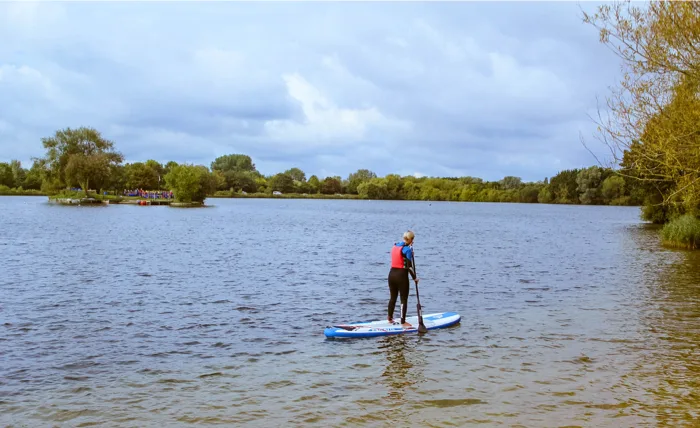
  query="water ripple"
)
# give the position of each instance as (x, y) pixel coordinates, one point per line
(141, 316)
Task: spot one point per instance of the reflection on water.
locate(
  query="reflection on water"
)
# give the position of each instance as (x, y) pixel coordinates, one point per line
(668, 368)
(403, 366)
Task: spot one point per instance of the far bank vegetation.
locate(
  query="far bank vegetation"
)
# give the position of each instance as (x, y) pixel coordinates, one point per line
(653, 123)
(86, 160)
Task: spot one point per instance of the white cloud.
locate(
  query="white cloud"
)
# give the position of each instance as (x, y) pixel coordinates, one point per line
(463, 87)
(323, 121)
(218, 63)
(29, 79)
(5, 127)
(30, 17)
(396, 41)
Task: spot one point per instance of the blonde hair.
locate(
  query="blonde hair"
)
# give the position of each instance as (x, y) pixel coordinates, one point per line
(408, 236)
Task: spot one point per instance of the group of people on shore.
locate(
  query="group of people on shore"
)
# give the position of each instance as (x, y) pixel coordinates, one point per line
(149, 194)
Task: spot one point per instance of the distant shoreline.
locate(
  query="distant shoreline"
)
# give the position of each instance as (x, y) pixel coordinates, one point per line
(357, 197)
(14, 192)
(316, 196)
(282, 196)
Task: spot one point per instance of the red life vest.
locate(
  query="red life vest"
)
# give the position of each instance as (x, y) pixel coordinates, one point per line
(398, 260)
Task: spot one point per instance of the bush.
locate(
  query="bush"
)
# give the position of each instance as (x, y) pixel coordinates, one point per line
(622, 201)
(190, 183)
(18, 191)
(682, 232)
(79, 194)
(655, 213)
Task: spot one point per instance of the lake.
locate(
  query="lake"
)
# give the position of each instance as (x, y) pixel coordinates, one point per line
(137, 316)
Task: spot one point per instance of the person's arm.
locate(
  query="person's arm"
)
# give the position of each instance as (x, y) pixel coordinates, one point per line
(409, 261)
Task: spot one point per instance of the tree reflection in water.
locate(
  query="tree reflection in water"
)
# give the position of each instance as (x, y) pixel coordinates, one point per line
(666, 374)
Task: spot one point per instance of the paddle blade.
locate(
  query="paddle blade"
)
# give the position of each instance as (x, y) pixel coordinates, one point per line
(421, 326)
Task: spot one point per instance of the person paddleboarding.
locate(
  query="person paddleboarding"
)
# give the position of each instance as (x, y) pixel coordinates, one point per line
(401, 266)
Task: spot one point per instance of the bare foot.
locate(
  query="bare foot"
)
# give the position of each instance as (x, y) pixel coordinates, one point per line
(406, 325)
(391, 320)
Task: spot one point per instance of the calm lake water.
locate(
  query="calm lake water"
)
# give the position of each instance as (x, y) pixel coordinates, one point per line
(156, 316)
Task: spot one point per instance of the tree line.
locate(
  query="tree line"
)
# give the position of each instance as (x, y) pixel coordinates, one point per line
(83, 158)
(652, 122)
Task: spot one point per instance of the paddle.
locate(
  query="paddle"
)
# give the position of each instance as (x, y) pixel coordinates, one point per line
(421, 327)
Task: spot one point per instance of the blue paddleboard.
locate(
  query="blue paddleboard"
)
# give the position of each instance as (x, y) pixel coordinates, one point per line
(384, 328)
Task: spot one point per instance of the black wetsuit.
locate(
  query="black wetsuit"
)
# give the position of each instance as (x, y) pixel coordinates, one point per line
(399, 284)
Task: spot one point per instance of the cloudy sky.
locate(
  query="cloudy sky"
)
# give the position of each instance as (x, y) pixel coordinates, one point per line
(485, 89)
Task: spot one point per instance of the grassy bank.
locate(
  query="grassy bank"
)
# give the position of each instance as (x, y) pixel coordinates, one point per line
(66, 194)
(682, 232)
(224, 194)
(6, 191)
(18, 191)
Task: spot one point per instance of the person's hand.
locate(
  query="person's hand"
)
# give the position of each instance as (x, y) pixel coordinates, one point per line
(416, 280)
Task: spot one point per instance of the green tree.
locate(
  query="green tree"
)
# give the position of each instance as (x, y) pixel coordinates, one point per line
(220, 180)
(588, 183)
(613, 188)
(652, 123)
(529, 193)
(331, 185)
(430, 193)
(303, 187)
(82, 148)
(141, 175)
(282, 183)
(168, 166)
(118, 179)
(471, 180)
(35, 176)
(394, 186)
(296, 174)
(357, 178)
(241, 180)
(411, 189)
(18, 173)
(190, 183)
(234, 162)
(545, 196)
(262, 185)
(511, 182)
(6, 177)
(563, 187)
(160, 172)
(314, 184)
(375, 188)
(239, 171)
(85, 170)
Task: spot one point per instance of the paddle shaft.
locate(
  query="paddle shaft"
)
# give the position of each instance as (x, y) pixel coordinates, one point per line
(421, 326)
